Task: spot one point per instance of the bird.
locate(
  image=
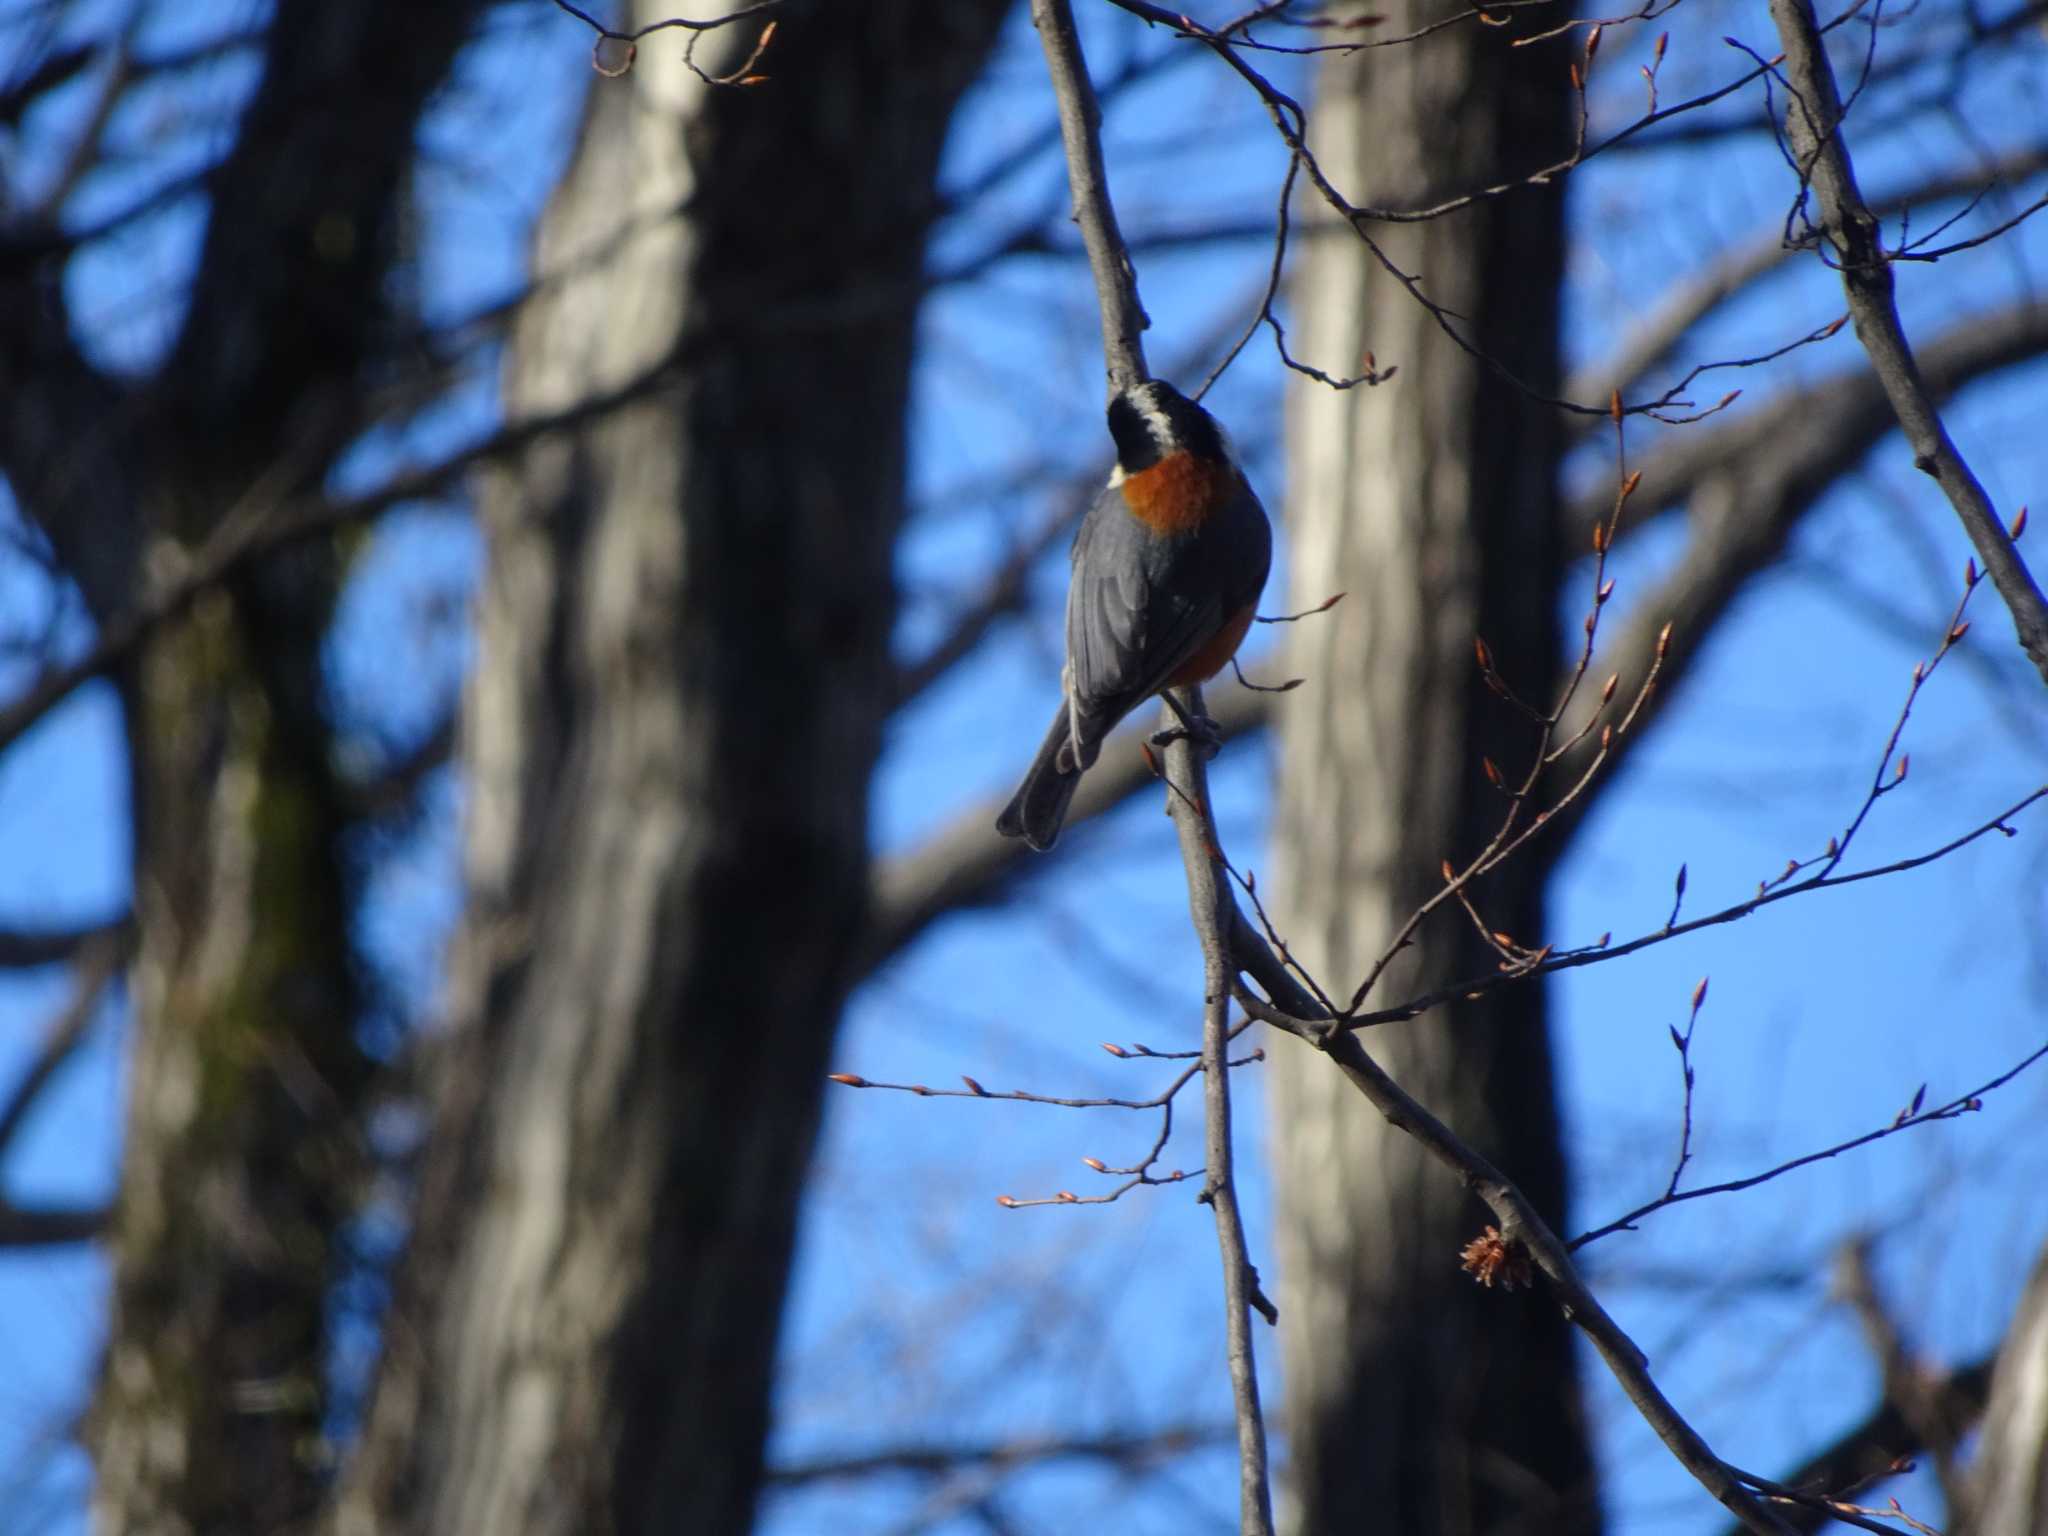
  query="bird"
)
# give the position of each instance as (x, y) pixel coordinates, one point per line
(1168, 565)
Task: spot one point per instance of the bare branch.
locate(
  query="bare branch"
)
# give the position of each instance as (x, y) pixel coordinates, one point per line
(1917, 1392)
(1606, 949)
(1289, 1007)
(1882, 1441)
(1813, 124)
(34, 1226)
(256, 529)
(1211, 907)
(1745, 487)
(1841, 419)
(21, 948)
(1116, 283)
(393, 788)
(687, 23)
(1749, 483)
(1962, 1104)
(1134, 1451)
(99, 960)
(1688, 303)
(1290, 121)
(1980, 33)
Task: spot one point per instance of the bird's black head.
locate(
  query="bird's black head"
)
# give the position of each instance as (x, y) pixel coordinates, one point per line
(1152, 420)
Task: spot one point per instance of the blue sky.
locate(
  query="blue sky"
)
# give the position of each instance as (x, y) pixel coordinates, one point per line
(922, 1309)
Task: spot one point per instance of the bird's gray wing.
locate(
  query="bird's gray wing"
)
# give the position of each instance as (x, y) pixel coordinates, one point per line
(1131, 621)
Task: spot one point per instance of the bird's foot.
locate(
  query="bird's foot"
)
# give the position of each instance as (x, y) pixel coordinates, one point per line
(1203, 732)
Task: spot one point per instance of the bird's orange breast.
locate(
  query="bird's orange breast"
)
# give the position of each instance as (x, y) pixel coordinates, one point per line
(1176, 495)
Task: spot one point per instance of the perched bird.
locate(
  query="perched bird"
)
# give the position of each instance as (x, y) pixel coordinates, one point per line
(1168, 565)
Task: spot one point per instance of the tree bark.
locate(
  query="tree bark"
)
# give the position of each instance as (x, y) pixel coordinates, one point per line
(2008, 1479)
(683, 676)
(1416, 1400)
(240, 1163)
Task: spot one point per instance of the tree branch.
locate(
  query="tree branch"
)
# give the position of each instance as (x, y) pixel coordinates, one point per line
(1840, 420)
(1133, 1451)
(1116, 283)
(1919, 1395)
(1749, 483)
(99, 960)
(29, 1226)
(21, 948)
(1745, 487)
(1519, 1221)
(255, 529)
(397, 783)
(1873, 1447)
(1813, 124)
(1688, 303)
(1967, 1103)
(1209, 902)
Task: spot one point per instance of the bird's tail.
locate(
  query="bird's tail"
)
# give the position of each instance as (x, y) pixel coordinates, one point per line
(1039, 808)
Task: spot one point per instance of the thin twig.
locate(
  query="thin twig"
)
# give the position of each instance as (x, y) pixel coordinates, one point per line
(1606, 949)
(1963, 1104)
(1684, 1044)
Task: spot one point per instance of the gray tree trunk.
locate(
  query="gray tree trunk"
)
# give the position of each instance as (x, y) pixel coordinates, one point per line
(1416, 1400)
(684, 671)
(240, 1163)
(2007, 1487)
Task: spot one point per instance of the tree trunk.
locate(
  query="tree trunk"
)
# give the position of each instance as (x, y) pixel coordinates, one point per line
(684, 671)
(2008, 1480)
(1418, 1401)
(240, 1162)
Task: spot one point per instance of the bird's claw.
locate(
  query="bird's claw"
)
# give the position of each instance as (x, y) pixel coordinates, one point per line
(1203, 732)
